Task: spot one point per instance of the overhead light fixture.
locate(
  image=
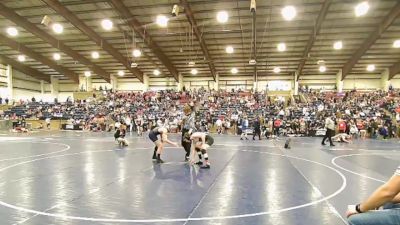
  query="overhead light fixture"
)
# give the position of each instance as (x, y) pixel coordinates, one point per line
(95, 55)
(162, 21)
(134, 65)
(88, 74)
(107, 24)
(253, 6)
(46, 20)
(12, 31)
(289, 12)
(21, 58)
(136, 53)
(361, 9)
(222, 16)
(194, 71)
(281, 47)
(121, 73)
(370, 67)
(396, 44)
(252, 62)
(338, 45)
(277, 70)
(191, 63)
(234, 70)
(156, 72)
(176, 9)
(57, 28)
(229, 49)
(322, 68)
(56, 56)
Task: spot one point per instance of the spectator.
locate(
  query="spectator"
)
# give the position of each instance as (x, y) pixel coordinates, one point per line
(257, 129)
(48, 122)
(277, 125)
(342, 126)
(244, 126)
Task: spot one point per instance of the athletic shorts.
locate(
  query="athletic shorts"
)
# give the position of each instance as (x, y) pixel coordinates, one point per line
(210, 140)
(153, 137)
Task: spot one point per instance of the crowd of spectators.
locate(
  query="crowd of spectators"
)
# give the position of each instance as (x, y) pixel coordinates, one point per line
(362, 114)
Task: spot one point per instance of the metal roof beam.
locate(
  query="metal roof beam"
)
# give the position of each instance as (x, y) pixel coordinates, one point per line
(38, 57)
(380, 29)
(74, 20)
(24, 69)
(192, 21)
(394, 70)
(317, 28)
(32, 28)
(137, 27)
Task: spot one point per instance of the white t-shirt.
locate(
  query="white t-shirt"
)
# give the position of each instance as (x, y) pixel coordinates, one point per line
(218, 122)
(329, 123)
(159, 123)
(305, 110)
(128, 121)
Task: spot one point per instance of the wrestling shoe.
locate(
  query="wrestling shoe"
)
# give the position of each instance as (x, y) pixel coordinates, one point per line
(205, 167)
(160, 161)
(200, 163)
(186, 158)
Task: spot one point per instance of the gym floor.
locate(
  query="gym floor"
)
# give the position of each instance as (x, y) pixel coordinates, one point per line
(85, 178)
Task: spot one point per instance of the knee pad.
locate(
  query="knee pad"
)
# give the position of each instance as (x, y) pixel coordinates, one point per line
(197, 149)
(203, 151)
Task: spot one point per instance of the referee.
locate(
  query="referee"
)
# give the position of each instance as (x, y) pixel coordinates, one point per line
(330, 130)
(188, 124)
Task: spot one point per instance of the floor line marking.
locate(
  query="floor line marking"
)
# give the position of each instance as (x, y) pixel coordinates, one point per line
(333, 161)
(45, 154)
(29, 218)
(209, 189)
(97, 189)
(315, 188)
(67, 217)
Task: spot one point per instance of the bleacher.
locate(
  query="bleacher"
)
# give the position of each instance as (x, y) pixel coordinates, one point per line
(24, 111)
